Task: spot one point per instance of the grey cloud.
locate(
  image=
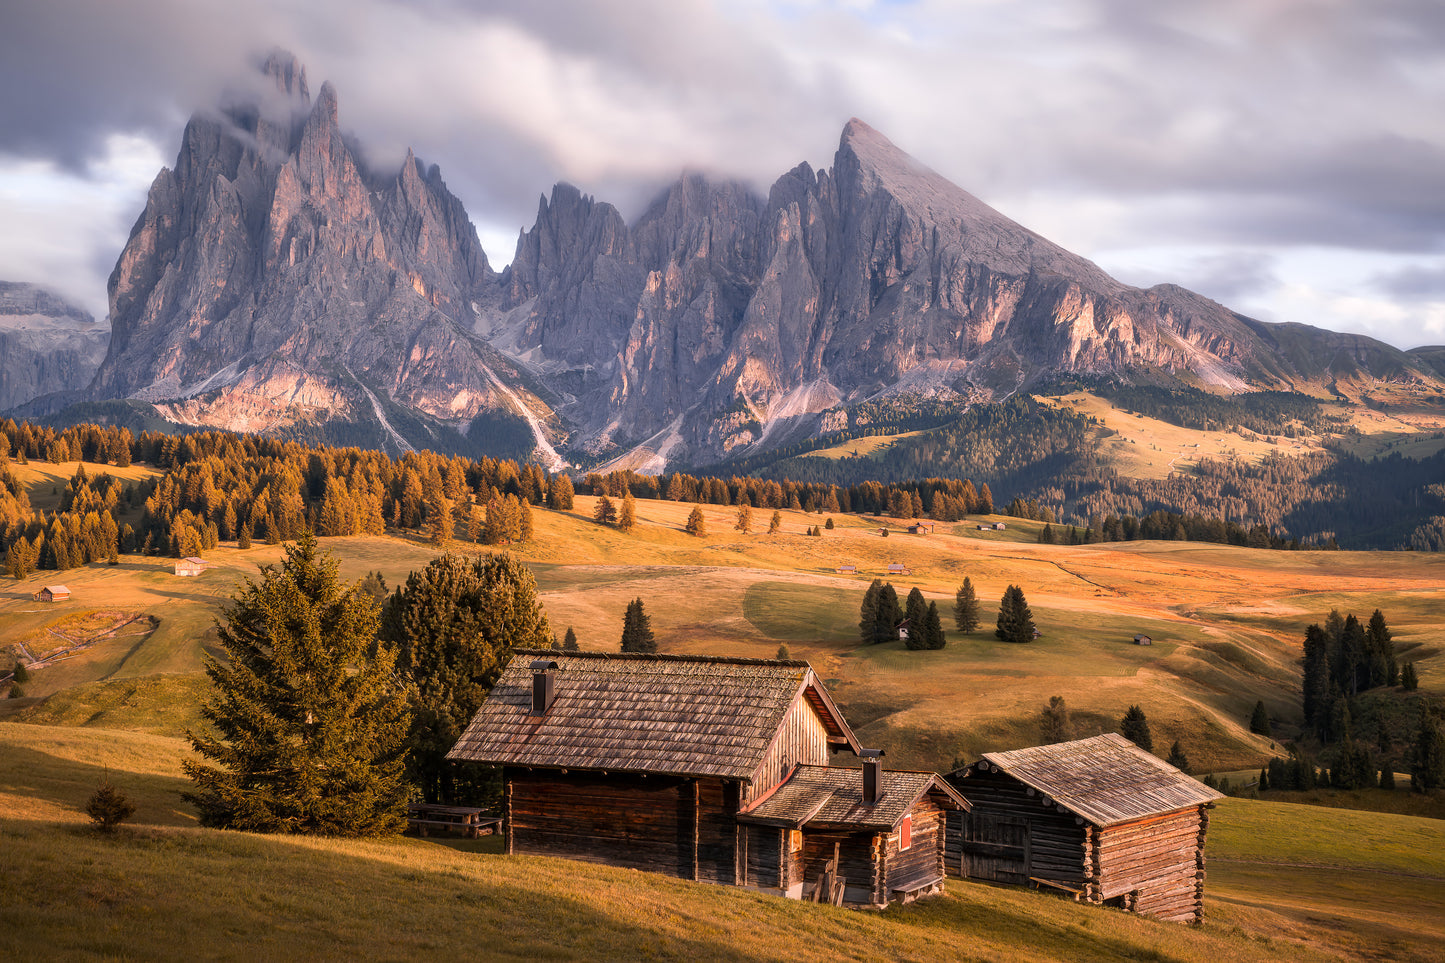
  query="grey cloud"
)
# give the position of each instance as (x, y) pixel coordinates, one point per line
(1417, 284)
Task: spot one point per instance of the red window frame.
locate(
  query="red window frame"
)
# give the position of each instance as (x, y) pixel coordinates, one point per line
(905, 832)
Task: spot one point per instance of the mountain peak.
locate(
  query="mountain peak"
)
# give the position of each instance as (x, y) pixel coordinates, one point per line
(287, 73)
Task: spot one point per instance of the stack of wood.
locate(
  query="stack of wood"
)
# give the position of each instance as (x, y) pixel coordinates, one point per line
(829, 887)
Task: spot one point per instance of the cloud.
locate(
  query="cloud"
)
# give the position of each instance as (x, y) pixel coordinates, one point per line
(1104, 124)
(1415, 283)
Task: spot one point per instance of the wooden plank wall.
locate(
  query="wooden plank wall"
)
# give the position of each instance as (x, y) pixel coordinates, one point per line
(800, 739)
(921, 860)
(860, 858)
(762, 858)
(1020, 837)
(1156, 865)
(661, 824)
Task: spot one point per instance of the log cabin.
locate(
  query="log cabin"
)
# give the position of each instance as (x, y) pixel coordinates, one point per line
(1098, 818)
(710, 769)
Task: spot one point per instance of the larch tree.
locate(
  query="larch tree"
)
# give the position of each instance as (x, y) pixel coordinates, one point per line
(603, 511)
(1015, 618)
(637, 629)
(309, 725)
(775, 524)
(1055, 725)
(745, 519)
(454, 625)
(696, 524)
(1135, 727)
(965, 607)
(627, 520)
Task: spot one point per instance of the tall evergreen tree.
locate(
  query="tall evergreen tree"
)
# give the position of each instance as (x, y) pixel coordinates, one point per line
(454, 624)
(936, 638)
(1316, 677)
(965, 607)
(569, 641)
(868, 613)
(1259, 719)
(560, 493)
(1180, 761)
(637, 629)
(1427, 754)
(603, 512)
(310, 727)
(1385, 668)
(915, 612)
(1055, 726)
(1135, 727)
(1015, 618)
(1409, 677)
(890, 613)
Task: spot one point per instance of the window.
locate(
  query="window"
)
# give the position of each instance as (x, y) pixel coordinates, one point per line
(905, 832)
(795, 841)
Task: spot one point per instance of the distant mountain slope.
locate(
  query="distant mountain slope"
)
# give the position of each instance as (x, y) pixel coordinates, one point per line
(46, 344)
(273, 283)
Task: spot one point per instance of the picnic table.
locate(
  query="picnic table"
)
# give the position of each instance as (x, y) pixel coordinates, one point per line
(468, 820)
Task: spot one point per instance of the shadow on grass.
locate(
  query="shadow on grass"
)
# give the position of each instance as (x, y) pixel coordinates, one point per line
(67, 784)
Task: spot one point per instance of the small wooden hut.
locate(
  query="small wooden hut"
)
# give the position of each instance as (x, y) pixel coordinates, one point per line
(190, 566)
(710, 769)
(869, 835)
(1099, 818)
(52, 593)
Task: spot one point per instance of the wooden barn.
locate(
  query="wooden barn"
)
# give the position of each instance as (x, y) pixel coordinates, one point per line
(52, 593)
(1099, 818)
(190, 566)
(709, 769)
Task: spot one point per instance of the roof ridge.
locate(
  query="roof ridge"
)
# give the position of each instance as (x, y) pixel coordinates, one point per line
(665, 657)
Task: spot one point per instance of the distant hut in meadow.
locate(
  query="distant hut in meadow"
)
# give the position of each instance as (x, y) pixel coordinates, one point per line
(709, 769)
(1099, 818)
(52, 593)
(190, 566)
(999, 526)
(1142, 639)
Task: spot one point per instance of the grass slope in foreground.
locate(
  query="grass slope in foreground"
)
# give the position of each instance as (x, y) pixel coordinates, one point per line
(1286, 882)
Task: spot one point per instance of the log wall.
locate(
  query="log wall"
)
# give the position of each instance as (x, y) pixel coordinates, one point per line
(680, 827)
(800, 739)
(1013, 835)
(924, 858)
(1155, 866)
(761, 857)
(860, 862)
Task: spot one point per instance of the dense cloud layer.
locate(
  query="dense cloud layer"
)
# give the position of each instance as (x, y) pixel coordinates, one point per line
(1235, 136)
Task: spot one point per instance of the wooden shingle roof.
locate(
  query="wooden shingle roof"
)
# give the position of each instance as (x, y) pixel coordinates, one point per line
(664, 714)
(833, 796)
(1104, 779)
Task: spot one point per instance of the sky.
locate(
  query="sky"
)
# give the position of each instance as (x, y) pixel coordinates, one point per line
(1284, 157)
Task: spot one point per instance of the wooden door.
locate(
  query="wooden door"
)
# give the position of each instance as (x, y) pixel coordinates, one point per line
(995, 848)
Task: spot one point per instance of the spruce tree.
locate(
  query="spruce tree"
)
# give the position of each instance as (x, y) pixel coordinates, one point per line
(310, 727)
(890, 613)
(1382, 647)
(1409, 677)
(1055, 725)
(1180, 761)
(1015, 619)
(637, 629)
(569, 641)
(1135, 727)
(916, 614)
(1259, 719)
(108, 807)
(454, 625)
(868, 613)
(936, 638)
(1427, 755)
(965, 607)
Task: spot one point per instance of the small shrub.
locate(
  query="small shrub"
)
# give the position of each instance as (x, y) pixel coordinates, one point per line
(108, 807)
(783, 653)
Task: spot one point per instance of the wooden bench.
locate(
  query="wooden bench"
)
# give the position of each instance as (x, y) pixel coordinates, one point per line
(908, 888)
(1077, 894)
(467, 820)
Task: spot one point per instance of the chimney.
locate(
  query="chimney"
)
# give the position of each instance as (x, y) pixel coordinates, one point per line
(872, 775)
(544, 685)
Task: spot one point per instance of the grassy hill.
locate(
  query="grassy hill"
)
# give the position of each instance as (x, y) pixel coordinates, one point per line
(1227, 623)
(1286, 882)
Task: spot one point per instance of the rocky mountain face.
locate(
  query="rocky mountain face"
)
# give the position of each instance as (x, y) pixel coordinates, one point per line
(46, 344)
(273, 281)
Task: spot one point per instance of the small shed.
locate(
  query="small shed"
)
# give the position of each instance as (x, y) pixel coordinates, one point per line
(190, 566)
(1141, 639)
(985, 528)
(52, 593)
(847, 569)
(920, 528)
(881, 833)
(999, 526)
(897, 568)
(1099, 818)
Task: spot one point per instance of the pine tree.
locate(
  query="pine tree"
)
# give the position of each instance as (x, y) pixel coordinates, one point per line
(890, 613)
(454, 625)
(1385, 668)
(1046, 535)
(569, 640)
(637, 629)
(1259, 720)
(108, 807)
(1055, 725)
(1387, 774)
(828, 524)
(1015, 618)
(783, 654)
(965, 607)
(627, 520)
(696, 524)
(1135, 727)
(868, 613)
(936, 638)
(1180, 761)
(1427, 755)
(310, 728)
(915, 612)
(1409, 678)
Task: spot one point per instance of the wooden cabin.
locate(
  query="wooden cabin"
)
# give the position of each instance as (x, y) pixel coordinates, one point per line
(878, 835)
(1099, 818)
(653, 762)
(1142, 639)
(920, 528)
(190, 566)
(52, 593)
